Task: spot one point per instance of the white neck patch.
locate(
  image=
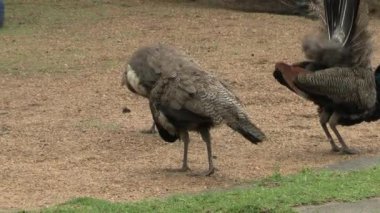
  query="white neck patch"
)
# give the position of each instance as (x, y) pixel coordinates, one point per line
(134, 82)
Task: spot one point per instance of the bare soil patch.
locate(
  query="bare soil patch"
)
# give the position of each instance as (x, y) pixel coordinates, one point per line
(63, 135)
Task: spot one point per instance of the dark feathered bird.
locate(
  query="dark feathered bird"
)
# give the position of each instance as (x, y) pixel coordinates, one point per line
(337, 76)
(184, 98)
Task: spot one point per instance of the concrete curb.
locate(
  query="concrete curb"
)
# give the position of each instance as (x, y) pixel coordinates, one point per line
(364, 206)
(355, 164)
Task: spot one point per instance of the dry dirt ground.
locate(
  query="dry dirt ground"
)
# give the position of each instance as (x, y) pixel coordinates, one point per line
(63, 133)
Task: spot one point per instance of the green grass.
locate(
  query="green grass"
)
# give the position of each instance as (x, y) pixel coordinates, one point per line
(275, 194)
(30, 16)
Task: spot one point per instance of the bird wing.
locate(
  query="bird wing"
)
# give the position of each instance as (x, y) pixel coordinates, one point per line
(193, 99)
(338, 84)
(193, 96)
(185, 95)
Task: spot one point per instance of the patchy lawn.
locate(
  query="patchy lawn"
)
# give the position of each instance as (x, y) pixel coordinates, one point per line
(274, 194)
(62, 131)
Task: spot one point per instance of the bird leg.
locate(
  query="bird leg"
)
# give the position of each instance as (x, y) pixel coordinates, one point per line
(205, 134)
(184, 135)
(323, 119)
(151, 130)
(186, 140)
(333, 121)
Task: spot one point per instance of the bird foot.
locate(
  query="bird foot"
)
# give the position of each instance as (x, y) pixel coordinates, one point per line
(349, 151)
(335, 149)
(183, 169)
(205, 173)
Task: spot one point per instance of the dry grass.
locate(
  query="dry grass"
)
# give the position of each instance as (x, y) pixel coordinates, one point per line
(62, 132)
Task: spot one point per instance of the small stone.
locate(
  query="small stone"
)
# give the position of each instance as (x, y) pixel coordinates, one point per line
(126, 110)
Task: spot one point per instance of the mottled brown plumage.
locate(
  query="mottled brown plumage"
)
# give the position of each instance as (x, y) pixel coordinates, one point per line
(338, 76)
(185, 98)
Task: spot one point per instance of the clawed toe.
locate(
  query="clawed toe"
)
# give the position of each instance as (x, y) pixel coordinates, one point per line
(335, 149)
(349, 151)
(183, 169)
(204, 174)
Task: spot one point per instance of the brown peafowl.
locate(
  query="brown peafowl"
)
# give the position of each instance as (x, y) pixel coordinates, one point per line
(184, 98)
(337, 75)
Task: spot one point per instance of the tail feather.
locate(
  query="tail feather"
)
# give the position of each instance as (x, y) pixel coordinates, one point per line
(344, 39)
(252, 134)
(247, 129)
(341, 16)
(375, 114)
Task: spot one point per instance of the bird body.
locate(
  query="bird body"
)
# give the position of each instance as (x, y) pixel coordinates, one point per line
(185, 98)
(337, 76)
